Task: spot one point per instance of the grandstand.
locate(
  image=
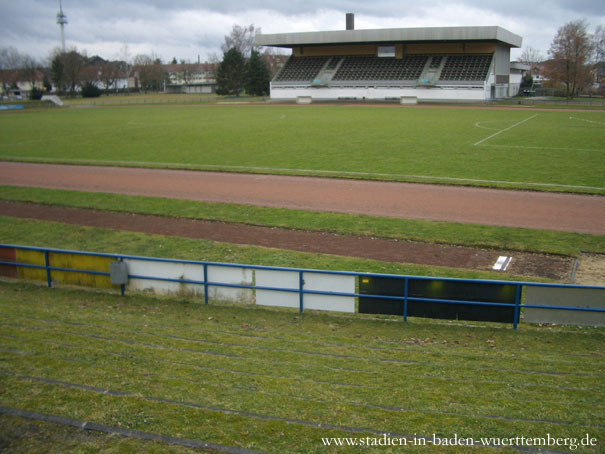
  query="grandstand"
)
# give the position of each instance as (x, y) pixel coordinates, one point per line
(438, 64)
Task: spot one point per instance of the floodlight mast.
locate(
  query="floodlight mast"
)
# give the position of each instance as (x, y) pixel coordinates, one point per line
(62, 20)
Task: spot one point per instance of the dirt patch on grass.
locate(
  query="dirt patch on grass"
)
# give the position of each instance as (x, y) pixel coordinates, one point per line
(591, 269)
(388, 250)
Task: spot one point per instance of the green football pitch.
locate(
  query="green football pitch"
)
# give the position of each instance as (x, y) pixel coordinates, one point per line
(524, 149)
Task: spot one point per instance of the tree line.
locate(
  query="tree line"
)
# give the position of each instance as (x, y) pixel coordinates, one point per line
(71, 71)
(574, 56)
(242, 69)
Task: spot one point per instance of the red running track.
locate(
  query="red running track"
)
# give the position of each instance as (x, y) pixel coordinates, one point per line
(537, 210)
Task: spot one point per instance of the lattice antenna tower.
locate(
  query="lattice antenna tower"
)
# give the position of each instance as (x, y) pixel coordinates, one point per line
(62, 21)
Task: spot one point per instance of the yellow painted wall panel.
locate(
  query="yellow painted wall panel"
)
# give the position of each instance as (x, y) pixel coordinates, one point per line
(31, 258)
(82, 262)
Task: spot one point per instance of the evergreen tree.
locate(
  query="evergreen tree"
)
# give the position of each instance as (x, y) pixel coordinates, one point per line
(57, 72)
(90, 90)
(257, 76)
(231, 73)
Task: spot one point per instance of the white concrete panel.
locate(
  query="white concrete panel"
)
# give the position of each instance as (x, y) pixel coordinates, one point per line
(183, 271)
(234, 276)
(421, 93)
(313, 281)
(572, 297)
(281, 279)
(329, 283)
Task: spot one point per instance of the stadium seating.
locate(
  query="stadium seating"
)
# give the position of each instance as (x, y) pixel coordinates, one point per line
(360, 70)
(380, 68)
(301, 69)
(435, 62)
(466, 68)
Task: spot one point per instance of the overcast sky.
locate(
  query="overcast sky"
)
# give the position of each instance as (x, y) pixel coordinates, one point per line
(187, 28)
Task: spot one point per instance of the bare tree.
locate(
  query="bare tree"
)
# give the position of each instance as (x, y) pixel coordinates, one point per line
(73, 62)
(186, 72)
(242, 38)
(10, 58)
(109, 73)
(531, 56)
(599, 44)
(29, 70)
(10, 62)
(149, 72)
(124, 57)
(89, 74)
(213, 60)
(570, 53)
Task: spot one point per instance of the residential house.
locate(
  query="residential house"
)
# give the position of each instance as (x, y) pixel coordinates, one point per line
(18, 83)
(191, 78)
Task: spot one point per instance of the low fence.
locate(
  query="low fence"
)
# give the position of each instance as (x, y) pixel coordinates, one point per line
(340, 291)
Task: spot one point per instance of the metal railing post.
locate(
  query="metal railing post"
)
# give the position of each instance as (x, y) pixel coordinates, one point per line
(405, 300)
(205, 283)
(301, 283)
(517, 307)
(47, 265)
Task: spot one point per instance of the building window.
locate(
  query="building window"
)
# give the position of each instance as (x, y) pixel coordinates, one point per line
(386, 51)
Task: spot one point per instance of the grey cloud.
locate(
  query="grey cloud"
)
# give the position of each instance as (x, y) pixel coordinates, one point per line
(30, 25)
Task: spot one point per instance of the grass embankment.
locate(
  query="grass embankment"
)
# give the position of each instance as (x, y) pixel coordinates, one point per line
(64, 236)
(548, 151)
(480, 236)
(118, 100)
(264, 379)
(160, 99)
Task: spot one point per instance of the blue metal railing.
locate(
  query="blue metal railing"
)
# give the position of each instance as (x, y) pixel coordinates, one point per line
(405, 299)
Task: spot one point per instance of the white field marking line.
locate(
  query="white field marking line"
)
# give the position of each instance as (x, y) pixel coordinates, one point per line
(152, 124)
(505, 129)
(587, 121)
(175, 165)
(480, 123)
(545, 148)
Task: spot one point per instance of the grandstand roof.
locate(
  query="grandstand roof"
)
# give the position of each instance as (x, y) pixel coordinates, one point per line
(391, 35)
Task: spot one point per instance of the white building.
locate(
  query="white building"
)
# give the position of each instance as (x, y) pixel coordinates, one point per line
(424, 64)
(191, 78)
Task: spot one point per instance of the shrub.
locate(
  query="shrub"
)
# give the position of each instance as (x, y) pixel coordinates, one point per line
(90, 90)
(35, 94)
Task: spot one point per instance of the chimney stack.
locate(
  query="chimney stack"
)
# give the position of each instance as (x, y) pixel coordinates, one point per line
(350, 21)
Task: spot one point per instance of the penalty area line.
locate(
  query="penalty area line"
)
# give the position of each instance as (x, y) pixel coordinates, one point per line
(546, 148)
(505, 129)
(587, 121)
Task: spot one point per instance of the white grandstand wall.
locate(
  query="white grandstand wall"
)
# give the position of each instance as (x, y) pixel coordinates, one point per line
(514, 86)
(460, 93)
